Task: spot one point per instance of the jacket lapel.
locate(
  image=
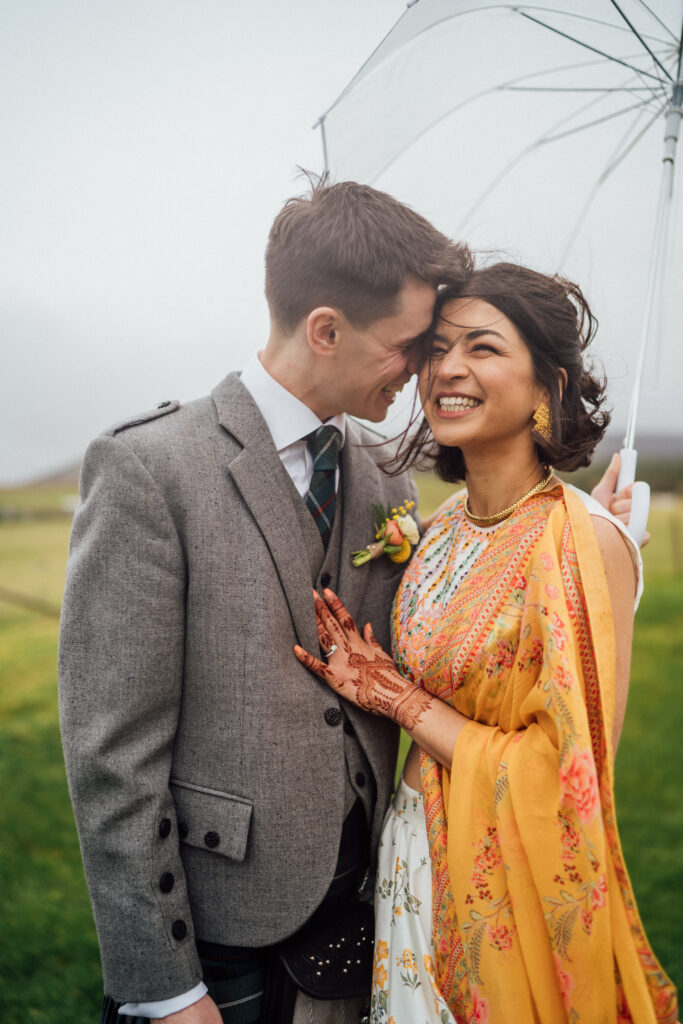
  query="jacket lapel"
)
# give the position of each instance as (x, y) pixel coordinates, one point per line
(264, 483)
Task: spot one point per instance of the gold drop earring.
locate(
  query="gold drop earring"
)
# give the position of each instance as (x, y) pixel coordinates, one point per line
(543, 423)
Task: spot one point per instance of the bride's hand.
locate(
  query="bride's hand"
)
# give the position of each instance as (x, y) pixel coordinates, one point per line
(359, 669)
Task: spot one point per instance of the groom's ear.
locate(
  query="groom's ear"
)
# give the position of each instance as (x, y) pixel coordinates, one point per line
(322, 330)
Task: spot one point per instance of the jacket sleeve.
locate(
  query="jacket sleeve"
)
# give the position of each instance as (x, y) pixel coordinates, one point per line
(120, 679)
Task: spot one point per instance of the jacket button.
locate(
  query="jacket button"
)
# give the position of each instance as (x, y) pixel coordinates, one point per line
(348, 728)
(182, 830)
(360, 779)
(166, 882)
(163, 405)
(333, 716)
(165, 828)
(212, 839)
(179, 930)
(325, 579)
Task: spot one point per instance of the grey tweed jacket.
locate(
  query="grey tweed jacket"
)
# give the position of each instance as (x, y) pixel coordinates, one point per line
(207, 783)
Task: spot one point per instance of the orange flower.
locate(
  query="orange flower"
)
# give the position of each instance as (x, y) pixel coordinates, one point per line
(407, 960)
(381, 976)
(381, 950)
(580, 785)
(392, 533)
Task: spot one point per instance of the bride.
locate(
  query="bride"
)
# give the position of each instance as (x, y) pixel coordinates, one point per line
(502, 894)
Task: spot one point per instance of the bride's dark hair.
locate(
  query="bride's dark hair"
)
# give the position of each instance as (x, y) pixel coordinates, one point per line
(556, 324)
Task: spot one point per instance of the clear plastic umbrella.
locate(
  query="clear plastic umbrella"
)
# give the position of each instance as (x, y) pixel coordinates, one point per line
(537, 130)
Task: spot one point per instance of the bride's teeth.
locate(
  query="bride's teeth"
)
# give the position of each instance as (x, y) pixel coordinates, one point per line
(458, 402)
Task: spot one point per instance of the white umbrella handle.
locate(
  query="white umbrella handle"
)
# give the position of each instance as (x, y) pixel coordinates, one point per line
(640, 507)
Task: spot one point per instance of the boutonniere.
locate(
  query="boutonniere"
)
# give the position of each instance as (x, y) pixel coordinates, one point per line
(395, 533)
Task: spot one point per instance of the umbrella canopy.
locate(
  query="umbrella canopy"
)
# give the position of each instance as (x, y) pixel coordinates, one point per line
(537, 132)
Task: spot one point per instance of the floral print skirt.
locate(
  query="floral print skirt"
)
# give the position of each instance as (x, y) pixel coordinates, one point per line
(404, 988)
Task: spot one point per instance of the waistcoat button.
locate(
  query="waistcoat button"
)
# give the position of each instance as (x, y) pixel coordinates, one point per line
(325, 579)
(166, 882)
(165, 828)
(360, 779)
(179, 930)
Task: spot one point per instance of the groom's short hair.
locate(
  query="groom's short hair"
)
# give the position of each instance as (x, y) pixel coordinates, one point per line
(351, 247)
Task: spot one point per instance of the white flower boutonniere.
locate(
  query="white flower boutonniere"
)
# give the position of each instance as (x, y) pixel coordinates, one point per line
(395, 534)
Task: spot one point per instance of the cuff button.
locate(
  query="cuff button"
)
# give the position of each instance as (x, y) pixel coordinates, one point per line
(212, 839)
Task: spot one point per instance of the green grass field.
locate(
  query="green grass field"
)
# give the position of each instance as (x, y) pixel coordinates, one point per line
(49, 971)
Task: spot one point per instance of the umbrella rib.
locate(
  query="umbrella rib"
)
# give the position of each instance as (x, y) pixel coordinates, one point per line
(657, 19)
(587, 46)
(640, 39)
(576, 88)
(579, 17)
(617, 158)
(517, 159)
(592, 124)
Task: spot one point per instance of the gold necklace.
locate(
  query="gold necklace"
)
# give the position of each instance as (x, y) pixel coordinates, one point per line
(498, 517)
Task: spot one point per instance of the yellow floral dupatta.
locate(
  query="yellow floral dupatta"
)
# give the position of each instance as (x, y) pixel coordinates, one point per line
(534, 917)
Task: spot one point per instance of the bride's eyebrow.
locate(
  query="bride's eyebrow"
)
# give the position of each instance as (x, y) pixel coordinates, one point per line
(481, 331)
(476, 332)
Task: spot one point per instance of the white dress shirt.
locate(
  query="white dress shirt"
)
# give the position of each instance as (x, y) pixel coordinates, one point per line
(289, 422)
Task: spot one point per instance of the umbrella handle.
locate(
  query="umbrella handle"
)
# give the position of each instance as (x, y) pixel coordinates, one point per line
(627, 467)
(640, 507)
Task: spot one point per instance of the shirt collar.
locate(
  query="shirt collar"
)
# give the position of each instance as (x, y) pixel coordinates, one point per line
(287, 418)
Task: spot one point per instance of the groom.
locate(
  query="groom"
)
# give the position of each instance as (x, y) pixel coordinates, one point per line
(223, 797)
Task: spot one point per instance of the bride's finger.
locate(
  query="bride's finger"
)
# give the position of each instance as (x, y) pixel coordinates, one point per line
(370, 638)
(324, 638)
(340, 611)
(326, 621)
(315, 665)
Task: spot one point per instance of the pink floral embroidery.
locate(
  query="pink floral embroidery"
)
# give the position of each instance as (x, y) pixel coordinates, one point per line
(518, 582)
(546, 561)
(580, 785)
(566, 982)
(500, 936)
(563, 678)
(599, 893)
(559, 635)
(480, 1014)
(552, 592)
(503, 657)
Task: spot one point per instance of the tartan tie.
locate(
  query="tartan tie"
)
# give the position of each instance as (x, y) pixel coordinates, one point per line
(321, 499)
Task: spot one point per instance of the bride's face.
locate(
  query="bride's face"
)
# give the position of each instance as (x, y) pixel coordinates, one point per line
(478, 387)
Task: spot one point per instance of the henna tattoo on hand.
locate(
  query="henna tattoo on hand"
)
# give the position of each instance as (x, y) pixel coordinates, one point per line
(409, 711)
(383, 691)
(368, 677)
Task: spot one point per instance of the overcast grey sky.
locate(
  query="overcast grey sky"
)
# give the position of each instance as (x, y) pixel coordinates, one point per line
(146, 147)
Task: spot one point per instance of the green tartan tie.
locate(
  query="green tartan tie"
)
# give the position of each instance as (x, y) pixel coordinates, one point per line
(321, 499)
